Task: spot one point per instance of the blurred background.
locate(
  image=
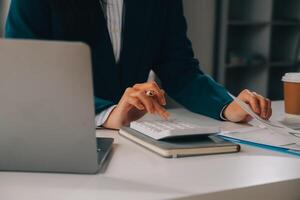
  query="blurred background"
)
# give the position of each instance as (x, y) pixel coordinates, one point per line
(241, 43)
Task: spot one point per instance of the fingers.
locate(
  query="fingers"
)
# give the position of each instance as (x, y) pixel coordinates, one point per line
(138, 99)
(255, 104)
(270, 109)
(150, 104)
(161, 111)
(259, 104)
(251, 99)
(146, 101)
(265, 106)
(136, 103)
(159, 94)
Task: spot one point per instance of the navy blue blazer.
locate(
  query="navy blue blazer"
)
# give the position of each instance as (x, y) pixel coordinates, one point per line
(154, 37)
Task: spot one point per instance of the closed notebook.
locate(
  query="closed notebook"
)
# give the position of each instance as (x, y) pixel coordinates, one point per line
(181, 146)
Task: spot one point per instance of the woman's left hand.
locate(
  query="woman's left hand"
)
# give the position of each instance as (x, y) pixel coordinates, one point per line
(259, 104)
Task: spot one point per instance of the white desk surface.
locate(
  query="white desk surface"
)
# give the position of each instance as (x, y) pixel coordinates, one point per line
(136, 173)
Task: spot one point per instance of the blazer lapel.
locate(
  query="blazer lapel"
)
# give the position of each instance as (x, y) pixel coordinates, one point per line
(135, 30)
(99, 25)
(105, 69)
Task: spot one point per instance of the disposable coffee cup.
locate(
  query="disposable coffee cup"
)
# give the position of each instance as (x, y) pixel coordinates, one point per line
(291, 87)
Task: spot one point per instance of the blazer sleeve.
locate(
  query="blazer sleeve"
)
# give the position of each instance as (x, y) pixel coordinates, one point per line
(31, 19)
(180, 73)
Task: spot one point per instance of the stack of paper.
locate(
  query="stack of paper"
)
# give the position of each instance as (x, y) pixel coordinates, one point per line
(265, 133)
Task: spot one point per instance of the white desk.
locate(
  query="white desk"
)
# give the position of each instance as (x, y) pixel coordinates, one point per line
(135, 173)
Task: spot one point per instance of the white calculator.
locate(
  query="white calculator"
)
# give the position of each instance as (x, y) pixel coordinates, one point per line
(161, 129)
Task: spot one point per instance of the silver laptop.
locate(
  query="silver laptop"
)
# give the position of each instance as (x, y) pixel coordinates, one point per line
(47, 117)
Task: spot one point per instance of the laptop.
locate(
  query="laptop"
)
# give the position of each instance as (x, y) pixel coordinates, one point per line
(47, 118)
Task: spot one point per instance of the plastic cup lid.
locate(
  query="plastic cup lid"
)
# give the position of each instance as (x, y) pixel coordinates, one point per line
(291, 77)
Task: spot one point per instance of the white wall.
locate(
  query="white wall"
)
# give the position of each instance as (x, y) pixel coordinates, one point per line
(200, 16)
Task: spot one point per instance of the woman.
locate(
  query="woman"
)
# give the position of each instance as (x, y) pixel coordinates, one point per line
(128, 38)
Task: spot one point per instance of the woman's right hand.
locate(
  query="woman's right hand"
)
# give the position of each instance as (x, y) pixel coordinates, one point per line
(135, 103)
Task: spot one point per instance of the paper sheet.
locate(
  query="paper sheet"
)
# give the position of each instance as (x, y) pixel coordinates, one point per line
(265, 132)
(264, 136)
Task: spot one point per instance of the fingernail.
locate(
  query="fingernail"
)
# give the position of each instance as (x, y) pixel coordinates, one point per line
(167, 115)
(265, 115)
(161, 102)
(164, 102)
